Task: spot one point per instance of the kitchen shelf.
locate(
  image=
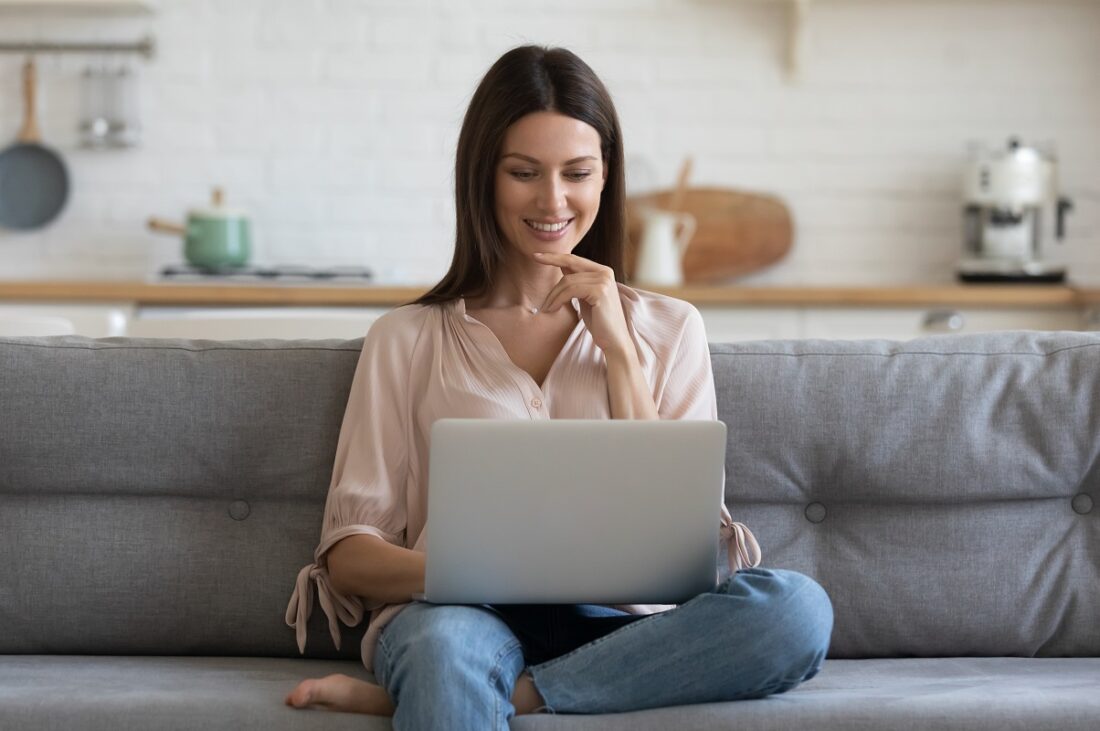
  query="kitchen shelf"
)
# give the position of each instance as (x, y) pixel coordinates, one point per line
(798, 24)
(149, 293)
(79, 7)
(145, 47)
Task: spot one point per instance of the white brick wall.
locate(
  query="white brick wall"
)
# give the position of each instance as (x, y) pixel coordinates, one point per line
(334, 121)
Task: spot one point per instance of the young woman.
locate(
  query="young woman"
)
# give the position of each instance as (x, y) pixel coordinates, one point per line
(533, 322)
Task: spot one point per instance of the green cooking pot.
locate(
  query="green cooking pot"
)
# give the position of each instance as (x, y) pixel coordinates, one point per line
(214, 237)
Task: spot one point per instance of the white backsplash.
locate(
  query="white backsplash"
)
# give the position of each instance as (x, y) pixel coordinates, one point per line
(334, 122)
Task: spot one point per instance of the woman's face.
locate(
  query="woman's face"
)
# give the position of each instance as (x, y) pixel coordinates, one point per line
(550, 171)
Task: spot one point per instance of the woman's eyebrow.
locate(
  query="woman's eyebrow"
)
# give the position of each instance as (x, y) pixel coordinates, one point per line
(531, 159)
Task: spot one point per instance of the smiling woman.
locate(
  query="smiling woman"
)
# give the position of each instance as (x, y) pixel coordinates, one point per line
(539, 166)
(533, 321)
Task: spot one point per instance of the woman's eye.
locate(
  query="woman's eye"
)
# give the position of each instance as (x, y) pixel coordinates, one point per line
(526, 175)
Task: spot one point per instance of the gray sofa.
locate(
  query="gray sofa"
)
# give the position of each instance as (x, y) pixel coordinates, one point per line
(157, 498)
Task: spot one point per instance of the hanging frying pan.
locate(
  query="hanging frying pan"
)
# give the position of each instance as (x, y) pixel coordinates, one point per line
(34, 183)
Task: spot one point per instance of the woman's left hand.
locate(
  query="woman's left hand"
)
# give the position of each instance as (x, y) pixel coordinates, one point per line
(595, 287)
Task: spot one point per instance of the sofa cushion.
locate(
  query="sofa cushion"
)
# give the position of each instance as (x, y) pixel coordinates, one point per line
(160, 496)
(234, 693)
(163, 693)
(941, 490)
(962, 694)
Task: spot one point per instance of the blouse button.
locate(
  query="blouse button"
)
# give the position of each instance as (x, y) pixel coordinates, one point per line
(536, 402)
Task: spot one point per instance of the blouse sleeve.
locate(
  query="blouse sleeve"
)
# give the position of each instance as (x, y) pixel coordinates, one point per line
(689, 393)
(367, 491)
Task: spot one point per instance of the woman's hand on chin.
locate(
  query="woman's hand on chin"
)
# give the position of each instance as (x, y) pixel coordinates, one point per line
(595, 288)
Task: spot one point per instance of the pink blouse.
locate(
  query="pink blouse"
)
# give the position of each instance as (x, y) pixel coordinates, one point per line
(420, 363)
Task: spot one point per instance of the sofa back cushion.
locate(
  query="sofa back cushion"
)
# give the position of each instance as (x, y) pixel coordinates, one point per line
(160, 496)
(945, 491)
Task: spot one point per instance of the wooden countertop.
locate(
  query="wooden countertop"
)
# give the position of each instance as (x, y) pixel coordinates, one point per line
(238, 293)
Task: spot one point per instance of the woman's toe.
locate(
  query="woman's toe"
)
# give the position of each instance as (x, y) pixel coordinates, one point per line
(303, 695)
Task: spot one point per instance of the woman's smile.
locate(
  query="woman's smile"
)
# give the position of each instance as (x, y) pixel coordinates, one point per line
(548, 231)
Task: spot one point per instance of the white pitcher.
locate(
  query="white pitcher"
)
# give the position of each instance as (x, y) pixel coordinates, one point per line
(661, 253)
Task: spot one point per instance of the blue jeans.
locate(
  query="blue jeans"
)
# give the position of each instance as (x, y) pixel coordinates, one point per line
(760, 632)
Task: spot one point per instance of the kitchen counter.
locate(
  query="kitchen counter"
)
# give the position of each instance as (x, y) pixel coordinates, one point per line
(247, 293)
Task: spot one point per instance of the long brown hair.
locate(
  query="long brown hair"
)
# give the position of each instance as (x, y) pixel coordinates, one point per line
(524, 80)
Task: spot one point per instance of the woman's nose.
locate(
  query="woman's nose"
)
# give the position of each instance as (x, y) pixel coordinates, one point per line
(552, 194)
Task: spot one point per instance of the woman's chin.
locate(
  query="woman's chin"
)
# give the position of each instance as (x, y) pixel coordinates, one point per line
(553, 247)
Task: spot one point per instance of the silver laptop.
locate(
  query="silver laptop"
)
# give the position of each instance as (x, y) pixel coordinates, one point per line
(573, 511)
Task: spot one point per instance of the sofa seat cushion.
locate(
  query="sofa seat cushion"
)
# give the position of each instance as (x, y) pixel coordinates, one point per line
(113, 693)
(968, 693)
(98, 692)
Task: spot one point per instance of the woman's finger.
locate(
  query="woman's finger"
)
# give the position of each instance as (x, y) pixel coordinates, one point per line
(569, 262)
(565, 288)
(587, 293)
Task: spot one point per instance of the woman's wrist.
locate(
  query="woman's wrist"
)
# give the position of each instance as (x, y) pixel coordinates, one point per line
(622, 355)
(627, 391)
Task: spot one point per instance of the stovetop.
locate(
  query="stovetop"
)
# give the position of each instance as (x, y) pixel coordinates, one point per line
(279, 272)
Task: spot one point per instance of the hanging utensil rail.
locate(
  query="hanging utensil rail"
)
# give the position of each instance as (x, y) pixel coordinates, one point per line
(144, 47)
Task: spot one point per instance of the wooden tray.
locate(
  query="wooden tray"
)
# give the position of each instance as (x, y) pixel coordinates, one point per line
(737, 232)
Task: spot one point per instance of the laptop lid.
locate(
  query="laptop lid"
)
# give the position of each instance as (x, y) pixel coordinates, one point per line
(573, 511)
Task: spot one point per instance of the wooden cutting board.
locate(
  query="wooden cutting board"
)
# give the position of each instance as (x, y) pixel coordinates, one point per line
(737, 232)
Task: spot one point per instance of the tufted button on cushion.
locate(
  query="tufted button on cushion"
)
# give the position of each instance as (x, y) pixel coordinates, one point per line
(1082, 503)
(815, 512)
(239, 510)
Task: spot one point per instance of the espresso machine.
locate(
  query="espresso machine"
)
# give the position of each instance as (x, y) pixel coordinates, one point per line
(1011, 200)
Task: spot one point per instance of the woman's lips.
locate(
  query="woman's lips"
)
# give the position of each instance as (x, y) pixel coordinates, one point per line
(548, 235)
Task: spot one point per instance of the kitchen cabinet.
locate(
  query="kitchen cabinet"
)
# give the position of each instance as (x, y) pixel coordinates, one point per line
(240, 323)
(723, 324)
(1090, 320)
(732, 324)
(96, 320)
(905, 323)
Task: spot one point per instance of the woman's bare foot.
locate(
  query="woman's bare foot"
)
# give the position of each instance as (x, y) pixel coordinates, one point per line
(341, 693)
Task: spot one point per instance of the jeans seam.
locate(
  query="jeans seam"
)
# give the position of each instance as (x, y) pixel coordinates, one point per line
(381, 648)
(499, 658)
(494, 674)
